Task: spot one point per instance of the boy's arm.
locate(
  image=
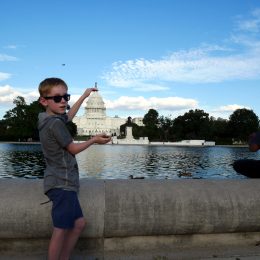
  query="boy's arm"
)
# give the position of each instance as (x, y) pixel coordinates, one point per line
(74, 109)
(75, 148)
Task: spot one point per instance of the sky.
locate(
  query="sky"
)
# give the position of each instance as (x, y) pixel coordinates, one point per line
(169, 55)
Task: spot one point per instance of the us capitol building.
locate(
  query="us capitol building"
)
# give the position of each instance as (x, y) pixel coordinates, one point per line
(94, 121)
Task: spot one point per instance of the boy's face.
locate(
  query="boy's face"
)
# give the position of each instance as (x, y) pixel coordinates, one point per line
(52, 107)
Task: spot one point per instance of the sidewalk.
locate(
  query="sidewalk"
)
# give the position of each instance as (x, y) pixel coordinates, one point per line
(209, 253)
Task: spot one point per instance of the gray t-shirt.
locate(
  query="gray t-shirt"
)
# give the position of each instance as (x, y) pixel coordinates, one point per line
(61, 166)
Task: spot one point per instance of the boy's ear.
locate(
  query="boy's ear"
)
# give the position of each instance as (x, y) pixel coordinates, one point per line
(43, 101)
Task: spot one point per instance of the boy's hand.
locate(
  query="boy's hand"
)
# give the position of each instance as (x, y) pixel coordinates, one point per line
(88, 91)
(102, 138)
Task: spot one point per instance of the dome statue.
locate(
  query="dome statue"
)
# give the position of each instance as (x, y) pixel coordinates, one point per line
(95, 106)
(95, 121)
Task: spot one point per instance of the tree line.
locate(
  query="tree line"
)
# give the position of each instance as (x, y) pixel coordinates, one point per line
(197, 124)
(20, 124)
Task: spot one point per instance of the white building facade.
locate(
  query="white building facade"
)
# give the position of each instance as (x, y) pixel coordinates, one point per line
(94, 121)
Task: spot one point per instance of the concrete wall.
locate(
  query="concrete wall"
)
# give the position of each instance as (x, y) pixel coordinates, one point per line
(122, 212)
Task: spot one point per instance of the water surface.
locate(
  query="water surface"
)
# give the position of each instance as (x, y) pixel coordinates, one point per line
(120, 161)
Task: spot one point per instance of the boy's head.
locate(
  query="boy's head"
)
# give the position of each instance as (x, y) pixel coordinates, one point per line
(53, 95)
(47, 84)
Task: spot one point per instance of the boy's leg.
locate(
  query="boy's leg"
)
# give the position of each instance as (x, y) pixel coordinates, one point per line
(71, 238)
(56, 243)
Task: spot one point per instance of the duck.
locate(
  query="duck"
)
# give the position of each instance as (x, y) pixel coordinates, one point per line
(185, 174)
(132, 177)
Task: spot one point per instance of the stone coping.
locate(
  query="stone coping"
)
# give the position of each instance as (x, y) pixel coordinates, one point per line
(125, 208)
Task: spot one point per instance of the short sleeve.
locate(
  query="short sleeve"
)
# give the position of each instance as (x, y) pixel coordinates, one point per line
(61, 133)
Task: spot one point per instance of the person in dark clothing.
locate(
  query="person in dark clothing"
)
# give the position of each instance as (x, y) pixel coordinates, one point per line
(250, 167)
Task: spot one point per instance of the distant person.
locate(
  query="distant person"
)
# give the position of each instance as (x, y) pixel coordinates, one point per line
(250, 167)
(61, 176)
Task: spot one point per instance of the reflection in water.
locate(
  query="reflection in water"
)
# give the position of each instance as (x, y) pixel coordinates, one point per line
(119, 161)
(18, 160)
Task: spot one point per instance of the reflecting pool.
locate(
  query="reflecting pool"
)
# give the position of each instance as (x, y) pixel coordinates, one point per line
(120, 161)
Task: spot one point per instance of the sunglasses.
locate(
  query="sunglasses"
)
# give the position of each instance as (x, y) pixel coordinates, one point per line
(57, 99)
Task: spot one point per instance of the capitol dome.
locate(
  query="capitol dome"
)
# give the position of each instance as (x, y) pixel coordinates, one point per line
(94, 121)
(95, 106)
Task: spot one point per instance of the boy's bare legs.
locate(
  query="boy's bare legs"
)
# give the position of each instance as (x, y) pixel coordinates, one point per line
(71, 238)
(63, 241)
(56, 243)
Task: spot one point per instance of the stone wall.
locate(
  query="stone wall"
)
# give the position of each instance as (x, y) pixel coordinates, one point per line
(140, 213)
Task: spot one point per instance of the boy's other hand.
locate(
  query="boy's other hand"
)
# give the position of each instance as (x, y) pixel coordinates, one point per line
(102, 138)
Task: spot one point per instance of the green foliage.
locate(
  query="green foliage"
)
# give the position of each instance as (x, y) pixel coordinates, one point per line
(151, 118)
(165, 125)
(220, 131)
(72, 127)
(242, 123)
(20, 123)
(194, 124)
(151, 122)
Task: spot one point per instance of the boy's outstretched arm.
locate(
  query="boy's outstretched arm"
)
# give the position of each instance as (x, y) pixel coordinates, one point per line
(74, 109)
(75, 148)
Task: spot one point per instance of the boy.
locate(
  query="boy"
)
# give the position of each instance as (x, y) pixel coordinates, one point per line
(61, 177)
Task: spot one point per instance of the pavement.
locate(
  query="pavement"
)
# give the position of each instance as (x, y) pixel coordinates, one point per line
(186, 253)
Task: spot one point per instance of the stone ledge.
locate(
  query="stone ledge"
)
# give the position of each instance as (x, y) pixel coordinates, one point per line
(121, 208)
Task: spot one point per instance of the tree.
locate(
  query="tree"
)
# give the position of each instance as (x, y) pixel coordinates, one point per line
(151, 118)
(165, 127)
(194, 124)
(20, 123)
(72, 127)
(15, 120)
(32, 112)
(242, 123)
(220, 131)
(151, 122)
(3, 131)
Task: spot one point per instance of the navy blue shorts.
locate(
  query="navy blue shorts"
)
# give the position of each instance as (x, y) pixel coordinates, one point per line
(65, 208)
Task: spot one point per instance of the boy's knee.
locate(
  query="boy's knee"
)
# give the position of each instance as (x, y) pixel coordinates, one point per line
(80, 224)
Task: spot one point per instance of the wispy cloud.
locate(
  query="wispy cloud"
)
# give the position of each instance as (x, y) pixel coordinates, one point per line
(192, 66)
(4, 57)
(206, 64)
(11, 46)
(4, 76)
(251, 24)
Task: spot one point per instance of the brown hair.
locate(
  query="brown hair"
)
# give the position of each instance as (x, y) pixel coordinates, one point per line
(47, 84)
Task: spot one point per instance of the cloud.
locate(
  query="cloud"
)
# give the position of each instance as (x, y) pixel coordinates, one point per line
(4, 57)
(237, 58)
(250, 25)
(11, 46)
(231, 108)
(141, 103)
(226, 111)
(4, 76)
(8, 94)
(201, 65)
